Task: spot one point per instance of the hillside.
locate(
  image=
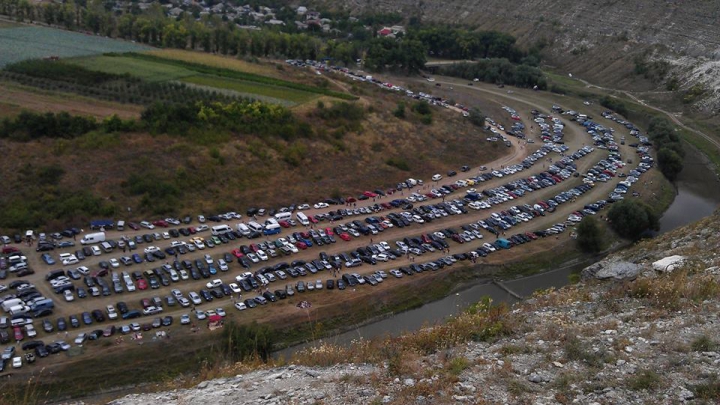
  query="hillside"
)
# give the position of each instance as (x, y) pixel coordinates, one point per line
(604, 42)
(649, 337)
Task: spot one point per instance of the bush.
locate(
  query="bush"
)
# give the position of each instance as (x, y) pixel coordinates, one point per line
(398, 163)
(704, 344)
(631, 218)
(422, 108)
(476, 117)
(399, 112)
(590, 235)
(245, 342)
(644, 380)
(614, 105)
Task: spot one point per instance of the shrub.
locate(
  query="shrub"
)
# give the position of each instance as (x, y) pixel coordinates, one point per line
(590, 237)
(703, 344)
(398, 163)
(399, 111)
(630, 218)
(644, 380)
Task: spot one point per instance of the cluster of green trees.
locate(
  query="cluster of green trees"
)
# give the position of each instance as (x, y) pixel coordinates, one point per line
(632, 218)
(500, 71)
(614, 104)
(669, 146)
(404, 55)
(456, 43)
(590, 235)
(29, 125)
(243, 117)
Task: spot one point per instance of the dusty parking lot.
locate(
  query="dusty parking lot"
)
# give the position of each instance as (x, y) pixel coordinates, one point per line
(325, 302)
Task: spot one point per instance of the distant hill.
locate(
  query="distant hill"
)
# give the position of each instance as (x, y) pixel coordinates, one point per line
(636, 45)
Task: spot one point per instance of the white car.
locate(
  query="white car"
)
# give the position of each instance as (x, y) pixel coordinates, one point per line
(70, 260)
(215, 283)
(382, 257)
(195, 298)
(321, 205)
(235, 288)
(184, 319)
(166, 235)
(436, 177)
(201, 219)
(114, 263)
(200, 315)
(69, 296)
(80, 338)
(112, 313)
(220, 312)
(240, 306)
(146, 224)
(397, 273)
(152, 249)
(199, 244)
(17, 362)
(202, 228)
(151, 310)
(30, 331)
(253, 258)
(262, 255)
(223, 265)
(208, 259)
(303, 207)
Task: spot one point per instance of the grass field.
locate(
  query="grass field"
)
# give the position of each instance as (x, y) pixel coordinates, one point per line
(22, 43)
(250, 88)
(147, 70)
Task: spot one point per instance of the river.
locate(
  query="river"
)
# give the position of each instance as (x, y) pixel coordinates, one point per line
(698, 195)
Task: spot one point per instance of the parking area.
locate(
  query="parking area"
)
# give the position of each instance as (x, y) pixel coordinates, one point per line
(180, 272)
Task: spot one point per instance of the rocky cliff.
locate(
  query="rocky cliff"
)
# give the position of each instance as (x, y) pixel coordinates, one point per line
(645, 333)
(599, 41)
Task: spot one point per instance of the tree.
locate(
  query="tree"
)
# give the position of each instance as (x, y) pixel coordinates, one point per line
(631, 218)
(476, 117)
(671, 164)
(590, 235)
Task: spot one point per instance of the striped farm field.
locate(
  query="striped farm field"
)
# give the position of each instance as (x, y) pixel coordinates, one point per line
(252, 89)
(215, 61)
(22, 43)
(148, 70)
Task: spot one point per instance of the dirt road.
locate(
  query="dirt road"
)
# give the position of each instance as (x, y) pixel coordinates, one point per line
(333, 303)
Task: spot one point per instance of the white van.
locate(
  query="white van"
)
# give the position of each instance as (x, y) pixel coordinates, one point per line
(254, 226)
(243, 229)
(91, 238)
(302, 218)
(283, 216)
(220, 229)
(120, 225)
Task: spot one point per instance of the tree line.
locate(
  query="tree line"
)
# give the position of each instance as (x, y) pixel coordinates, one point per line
(669, 146)
(211, 33)
(499, 71)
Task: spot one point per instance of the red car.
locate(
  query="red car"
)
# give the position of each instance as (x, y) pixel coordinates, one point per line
(301, 245)
(344, 236)
(192, 230)
(142, 284)
(18, 334)
(161, 223)
(351, 199)
(237, 253)
(312, 219)
(369, 194)
(284, 224)
(133, 226)
(329, 231)
(10, 249)
(254, 247)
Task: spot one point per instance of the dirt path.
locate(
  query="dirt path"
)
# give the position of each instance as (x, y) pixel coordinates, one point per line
(673, 118)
